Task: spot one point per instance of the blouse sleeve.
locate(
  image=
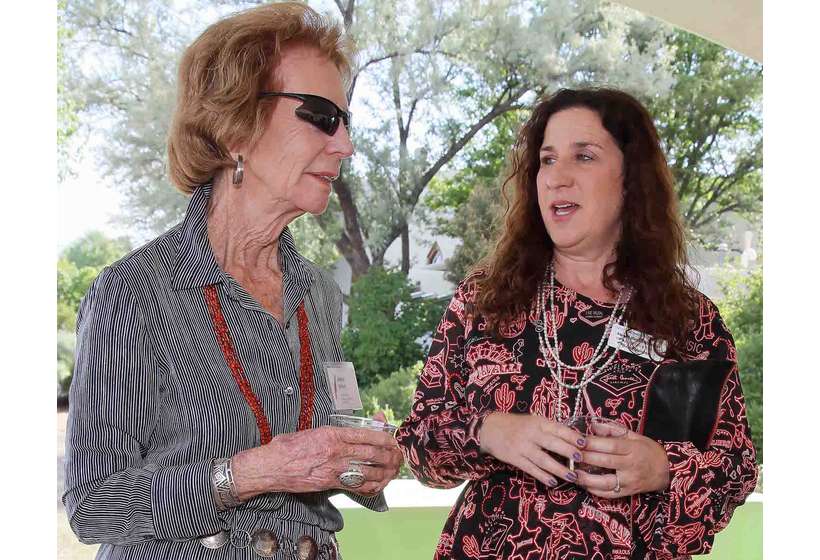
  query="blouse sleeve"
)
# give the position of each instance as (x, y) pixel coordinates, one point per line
(707, 486)
(112, 495)
(440, 437)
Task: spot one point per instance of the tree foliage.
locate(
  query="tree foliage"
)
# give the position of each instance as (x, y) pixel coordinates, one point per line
(431, 76)
(742, 311)
(481, 215)
(470, 204)
(122, 59)
(393, 395)
(446, 70)
(386, 324)
(483, 163)
(67, 118)
(711, 127)
(77, 267)
(96, 250)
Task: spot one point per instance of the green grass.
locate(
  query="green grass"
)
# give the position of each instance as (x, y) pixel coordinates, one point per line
(743, 538)
(412, 534)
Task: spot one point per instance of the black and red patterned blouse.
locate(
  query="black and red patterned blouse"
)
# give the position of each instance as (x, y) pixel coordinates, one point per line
(505, 513)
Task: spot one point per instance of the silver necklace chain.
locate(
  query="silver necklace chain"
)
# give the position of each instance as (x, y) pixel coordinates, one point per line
(549, 349)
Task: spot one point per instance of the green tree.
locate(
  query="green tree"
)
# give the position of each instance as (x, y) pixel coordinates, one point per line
(393, 395)
(447, 70)
(711, 127)
(481, 216)
(123, 58)
(67, 119)
(436, 74)
(385, 324)
(77, 267)
(66, 342)
(742, 311)
(96, 250)
(483, 163)
(72, 284)
(469, 203)
(313, 242)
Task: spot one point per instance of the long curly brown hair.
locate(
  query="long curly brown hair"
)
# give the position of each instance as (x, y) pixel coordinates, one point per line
(651, 253)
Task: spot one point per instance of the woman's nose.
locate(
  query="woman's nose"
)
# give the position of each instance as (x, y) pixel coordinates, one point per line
(340, 143)
(557, 176)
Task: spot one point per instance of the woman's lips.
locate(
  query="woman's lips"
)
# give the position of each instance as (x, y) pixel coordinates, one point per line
(564, 209)
(326, 177)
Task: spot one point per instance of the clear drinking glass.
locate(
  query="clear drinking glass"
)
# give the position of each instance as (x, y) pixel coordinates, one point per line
(347, 421)
(591, 425)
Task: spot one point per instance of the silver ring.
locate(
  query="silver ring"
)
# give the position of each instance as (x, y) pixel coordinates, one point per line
(353, 477)
(617, 488)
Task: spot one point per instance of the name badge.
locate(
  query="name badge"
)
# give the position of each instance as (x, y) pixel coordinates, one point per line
(635, 342)
(344, 389)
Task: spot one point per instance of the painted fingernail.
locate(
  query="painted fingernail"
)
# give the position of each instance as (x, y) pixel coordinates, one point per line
(582, 442)
(576, 456)
(571, 476)
(552, 483)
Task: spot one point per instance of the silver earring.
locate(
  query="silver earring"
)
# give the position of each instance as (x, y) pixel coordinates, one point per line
(239, 172)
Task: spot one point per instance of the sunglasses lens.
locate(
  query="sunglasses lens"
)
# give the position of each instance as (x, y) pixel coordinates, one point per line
(325, 122)
(322, 114)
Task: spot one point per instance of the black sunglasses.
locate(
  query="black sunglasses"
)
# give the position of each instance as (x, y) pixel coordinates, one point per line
(322, 113)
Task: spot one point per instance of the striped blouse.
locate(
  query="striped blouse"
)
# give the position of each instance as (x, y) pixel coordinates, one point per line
(153, 401)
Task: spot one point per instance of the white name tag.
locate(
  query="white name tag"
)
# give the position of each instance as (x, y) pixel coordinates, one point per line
(634, 342)
(344, 389)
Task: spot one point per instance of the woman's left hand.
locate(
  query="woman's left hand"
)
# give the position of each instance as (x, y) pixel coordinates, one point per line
(640, 465)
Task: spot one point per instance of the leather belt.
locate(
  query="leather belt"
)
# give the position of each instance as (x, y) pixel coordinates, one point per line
(267, 544)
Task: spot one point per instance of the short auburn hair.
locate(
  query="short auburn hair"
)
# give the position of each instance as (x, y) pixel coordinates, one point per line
(651, 253)
(221, 75)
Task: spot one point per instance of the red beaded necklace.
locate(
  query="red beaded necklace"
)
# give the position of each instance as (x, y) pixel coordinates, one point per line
(306, 388)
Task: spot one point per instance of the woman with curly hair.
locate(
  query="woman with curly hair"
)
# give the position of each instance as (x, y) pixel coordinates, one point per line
(584, 309)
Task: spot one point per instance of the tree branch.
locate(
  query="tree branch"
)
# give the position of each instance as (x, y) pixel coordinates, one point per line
(499, 108)
(346, 11)
(351, 242)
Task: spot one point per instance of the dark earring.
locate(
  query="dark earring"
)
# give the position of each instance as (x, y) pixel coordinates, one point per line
(239, 172)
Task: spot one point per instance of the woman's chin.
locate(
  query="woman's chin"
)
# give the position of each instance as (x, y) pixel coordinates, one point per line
(317, 207)
(563, 241)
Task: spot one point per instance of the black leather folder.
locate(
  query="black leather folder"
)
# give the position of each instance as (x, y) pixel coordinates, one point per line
(683, 400)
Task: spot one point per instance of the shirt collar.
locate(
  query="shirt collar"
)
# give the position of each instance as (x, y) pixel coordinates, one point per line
(195, 265)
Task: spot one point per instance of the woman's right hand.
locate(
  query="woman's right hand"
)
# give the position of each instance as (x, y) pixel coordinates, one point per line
(523, 440)
(312, 460)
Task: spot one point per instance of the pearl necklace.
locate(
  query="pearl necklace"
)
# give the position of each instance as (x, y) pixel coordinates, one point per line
(550, 352)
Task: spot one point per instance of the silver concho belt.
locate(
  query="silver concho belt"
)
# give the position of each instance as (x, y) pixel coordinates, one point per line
(266, 544)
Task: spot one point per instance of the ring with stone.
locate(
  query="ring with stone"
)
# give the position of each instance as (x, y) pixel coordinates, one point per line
(353, 477)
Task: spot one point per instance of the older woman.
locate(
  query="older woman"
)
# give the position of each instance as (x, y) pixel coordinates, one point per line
(592, 249)
(199, 407)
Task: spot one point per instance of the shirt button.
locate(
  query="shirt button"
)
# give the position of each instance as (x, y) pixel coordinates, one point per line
(288, 391)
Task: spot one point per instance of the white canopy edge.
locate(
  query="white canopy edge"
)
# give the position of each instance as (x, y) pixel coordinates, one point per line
(735, 24)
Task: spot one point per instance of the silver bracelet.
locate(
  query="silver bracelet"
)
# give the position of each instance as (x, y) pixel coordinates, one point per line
(223, 486)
